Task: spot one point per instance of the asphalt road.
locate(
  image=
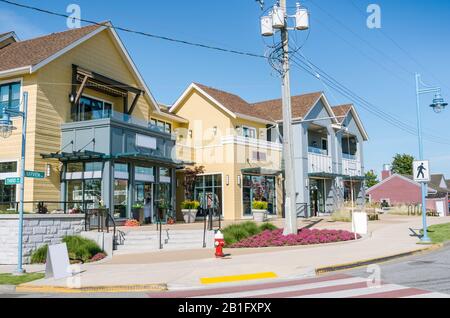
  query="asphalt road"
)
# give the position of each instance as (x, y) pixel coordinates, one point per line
(429, 271)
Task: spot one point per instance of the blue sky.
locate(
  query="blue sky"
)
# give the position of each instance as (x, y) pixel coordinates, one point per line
(360, 58)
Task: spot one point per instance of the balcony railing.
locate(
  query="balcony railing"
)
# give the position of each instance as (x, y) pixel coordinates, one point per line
(351, 168)
(319, 163)
(129, 119)
(349, 156)
(252, 142)
(318, 151)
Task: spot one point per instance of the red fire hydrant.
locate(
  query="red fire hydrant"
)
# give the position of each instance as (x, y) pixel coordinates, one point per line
(219, 243)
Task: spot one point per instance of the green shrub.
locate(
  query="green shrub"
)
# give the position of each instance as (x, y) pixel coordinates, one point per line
(251, 228)
(260, 205)
(40, 255)
(190, 205)
(234, 235)
(267, 227)
(237, 232)
(79, 248)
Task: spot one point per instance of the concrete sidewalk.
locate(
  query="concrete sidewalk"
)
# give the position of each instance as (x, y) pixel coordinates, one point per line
(390, 236)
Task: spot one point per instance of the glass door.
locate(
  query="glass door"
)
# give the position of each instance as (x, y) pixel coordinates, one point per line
(259, 188)
(317, 196)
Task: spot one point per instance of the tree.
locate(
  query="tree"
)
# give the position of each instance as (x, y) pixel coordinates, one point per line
(371, 179)
(403, 164)
(190, 177)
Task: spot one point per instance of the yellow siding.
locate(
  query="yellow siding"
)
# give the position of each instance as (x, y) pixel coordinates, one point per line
(208, 150)
(49, 89)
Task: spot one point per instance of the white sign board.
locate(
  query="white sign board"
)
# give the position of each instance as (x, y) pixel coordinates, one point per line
(360, 223)
(440, 208)
(421, 170)
(58, 264)
(145, 142)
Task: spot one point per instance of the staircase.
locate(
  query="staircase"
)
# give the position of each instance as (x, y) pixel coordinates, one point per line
(144, 241)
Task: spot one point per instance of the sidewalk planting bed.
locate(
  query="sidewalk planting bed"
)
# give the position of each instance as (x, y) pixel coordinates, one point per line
(9, 279)
(304, 237)
(439, 233)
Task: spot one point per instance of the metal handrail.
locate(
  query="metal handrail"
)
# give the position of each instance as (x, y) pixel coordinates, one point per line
(41, 204)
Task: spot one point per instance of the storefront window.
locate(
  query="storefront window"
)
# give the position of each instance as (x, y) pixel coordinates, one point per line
(94, 166)
(209, 186)
(75, 167)
(260, 188)
(8, 167)
(120, 198)
(7, 196)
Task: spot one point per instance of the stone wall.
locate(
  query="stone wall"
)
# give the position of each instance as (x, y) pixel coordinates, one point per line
(38, 230)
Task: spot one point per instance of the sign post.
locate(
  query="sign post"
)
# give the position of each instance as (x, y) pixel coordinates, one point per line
(421, 174)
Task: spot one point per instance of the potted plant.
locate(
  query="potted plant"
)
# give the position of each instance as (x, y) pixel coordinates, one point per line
(259, 211)
(189, 210)
(137, 211)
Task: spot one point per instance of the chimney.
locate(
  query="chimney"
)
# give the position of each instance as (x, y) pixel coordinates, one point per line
(386, 173)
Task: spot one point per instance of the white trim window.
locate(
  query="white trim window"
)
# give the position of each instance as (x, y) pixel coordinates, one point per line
(249, 132)
(10, 95)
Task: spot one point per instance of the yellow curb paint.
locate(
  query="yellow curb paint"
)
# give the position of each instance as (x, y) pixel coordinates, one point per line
(99, 289)
(237, 278)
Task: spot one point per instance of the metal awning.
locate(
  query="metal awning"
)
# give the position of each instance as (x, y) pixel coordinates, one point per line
(75, 156)
(151, 159)
(261, 171)
(355, 178)
(325, 175)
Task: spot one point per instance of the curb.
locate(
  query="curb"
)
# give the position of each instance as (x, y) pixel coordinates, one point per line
(7, 289)
(96, 289)
(340, 267)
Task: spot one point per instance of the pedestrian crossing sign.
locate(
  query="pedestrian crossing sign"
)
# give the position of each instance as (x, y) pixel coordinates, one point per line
(421, 170)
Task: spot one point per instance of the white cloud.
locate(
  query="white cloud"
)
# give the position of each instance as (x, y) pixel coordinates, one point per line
(10, 21)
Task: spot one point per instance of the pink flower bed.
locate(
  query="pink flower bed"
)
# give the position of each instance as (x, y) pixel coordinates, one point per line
(304, 237)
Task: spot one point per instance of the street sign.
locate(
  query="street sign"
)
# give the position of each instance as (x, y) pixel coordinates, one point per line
(421, 170)
(12, 181)
(34, 174)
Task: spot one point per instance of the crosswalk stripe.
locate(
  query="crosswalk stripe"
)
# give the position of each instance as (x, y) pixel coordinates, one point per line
(243, 288)
(288, 289)
(334, 286)
(430, 295)
(355, 292)
(406, 292)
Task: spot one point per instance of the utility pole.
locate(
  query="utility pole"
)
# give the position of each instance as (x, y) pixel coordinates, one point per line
(289, 174)
(277, 20)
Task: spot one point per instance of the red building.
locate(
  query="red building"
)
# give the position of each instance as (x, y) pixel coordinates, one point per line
(396, 189)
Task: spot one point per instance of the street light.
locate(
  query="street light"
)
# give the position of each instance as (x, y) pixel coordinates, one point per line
(438, 106)
(6, 129)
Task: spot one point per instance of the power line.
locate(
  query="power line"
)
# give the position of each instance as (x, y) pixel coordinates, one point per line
(412, 58)
(324, 77)
(155, 36)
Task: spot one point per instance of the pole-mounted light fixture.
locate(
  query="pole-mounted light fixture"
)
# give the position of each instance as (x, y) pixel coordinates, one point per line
(6, 125)
(438, 104)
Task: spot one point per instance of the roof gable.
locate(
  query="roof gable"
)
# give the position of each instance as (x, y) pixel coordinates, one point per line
(34, 51)
(342, 112)
(31, 55)
(408, 179)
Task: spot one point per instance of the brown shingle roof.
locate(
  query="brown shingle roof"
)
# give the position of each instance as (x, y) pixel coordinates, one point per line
(268, 110)
(301, 105)
(340, 111)
(233, 102)
(34, 51)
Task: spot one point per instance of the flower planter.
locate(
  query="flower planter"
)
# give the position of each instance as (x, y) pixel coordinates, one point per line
(189, 216)
(138, 214)
(259, 215)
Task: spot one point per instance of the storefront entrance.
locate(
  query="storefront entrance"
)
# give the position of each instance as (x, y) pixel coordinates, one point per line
(317, 196)
(259, 188)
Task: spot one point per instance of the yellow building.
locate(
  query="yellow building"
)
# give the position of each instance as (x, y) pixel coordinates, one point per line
(230, 140)
(94, 127)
